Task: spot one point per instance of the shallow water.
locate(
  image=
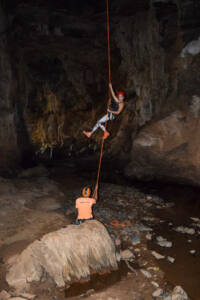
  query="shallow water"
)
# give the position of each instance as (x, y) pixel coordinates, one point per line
(186, 269)
(97, 282)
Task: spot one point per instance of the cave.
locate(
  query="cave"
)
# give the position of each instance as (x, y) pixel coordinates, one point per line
(55, 59)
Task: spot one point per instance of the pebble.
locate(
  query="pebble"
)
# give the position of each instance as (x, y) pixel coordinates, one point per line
(189, 241)
(157, 255)
(137, 250)
(149, 236)
(197, 220)
(192, 252)
(166, 244)
(4, 295)
(146, 273)
(155, 269)
(171, 259)
(179, 294)
(158, 293)
(155, 284)
(142, 228)
(160, 239)
(183, 229)
(126, 255)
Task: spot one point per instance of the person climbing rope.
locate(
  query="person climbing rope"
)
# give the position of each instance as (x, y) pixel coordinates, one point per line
(84, 206)
(113, 110)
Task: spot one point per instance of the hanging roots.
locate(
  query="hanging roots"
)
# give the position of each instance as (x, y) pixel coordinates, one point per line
(48, 129)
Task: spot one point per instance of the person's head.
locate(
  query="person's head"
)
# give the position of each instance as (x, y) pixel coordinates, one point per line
(86, 192)
(121, 96)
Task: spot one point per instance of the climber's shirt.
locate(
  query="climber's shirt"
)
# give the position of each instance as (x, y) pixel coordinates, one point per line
(114, 106)
(84, 206)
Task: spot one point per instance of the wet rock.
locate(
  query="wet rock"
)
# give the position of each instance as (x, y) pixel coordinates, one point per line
(4, 295)
(146, 273)
(135, 238)
(186, 230)
(179, 294)
(63, 255)
(143, 228)
(126, 255)
(197, 220)
(163, 242)
(157, 293)
(155, 284)
(171, 259)
(149, 237)
(157, 255)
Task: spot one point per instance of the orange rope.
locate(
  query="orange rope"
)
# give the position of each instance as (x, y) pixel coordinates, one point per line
(95, 194)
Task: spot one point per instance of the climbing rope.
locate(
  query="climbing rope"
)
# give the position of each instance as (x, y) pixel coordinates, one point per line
(95, 194)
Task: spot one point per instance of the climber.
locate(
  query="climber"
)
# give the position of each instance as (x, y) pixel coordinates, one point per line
(114, 109)
(84, 206)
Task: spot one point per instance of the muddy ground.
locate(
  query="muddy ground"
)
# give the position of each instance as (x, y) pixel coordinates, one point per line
(39, 202)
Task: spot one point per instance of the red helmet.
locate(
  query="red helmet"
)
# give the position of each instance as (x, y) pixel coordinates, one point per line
(121, 93)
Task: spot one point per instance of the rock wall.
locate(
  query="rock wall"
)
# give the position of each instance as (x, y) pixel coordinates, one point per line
(9, 151)
(58, 58)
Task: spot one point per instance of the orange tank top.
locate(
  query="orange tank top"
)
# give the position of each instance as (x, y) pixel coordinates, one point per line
(84, 206)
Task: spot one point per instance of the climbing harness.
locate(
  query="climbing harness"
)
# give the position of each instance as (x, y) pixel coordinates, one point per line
(95, 194)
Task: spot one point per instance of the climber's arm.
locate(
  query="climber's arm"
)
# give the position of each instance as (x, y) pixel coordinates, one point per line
(113, 93)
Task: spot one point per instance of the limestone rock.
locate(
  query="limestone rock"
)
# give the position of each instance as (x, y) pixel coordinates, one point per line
(157, 293)
(4, 295)
(127, 255)
(146, 273)
(179, 294)
(157, 255)
(69, 253)
(168, 149)
(186, 230)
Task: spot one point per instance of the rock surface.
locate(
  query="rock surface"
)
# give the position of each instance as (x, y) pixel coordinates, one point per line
(4, 295)
(168, 149)
(67, 254)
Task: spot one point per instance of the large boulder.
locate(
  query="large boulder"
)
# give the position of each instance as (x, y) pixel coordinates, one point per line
(168, 149)
(69, 254)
